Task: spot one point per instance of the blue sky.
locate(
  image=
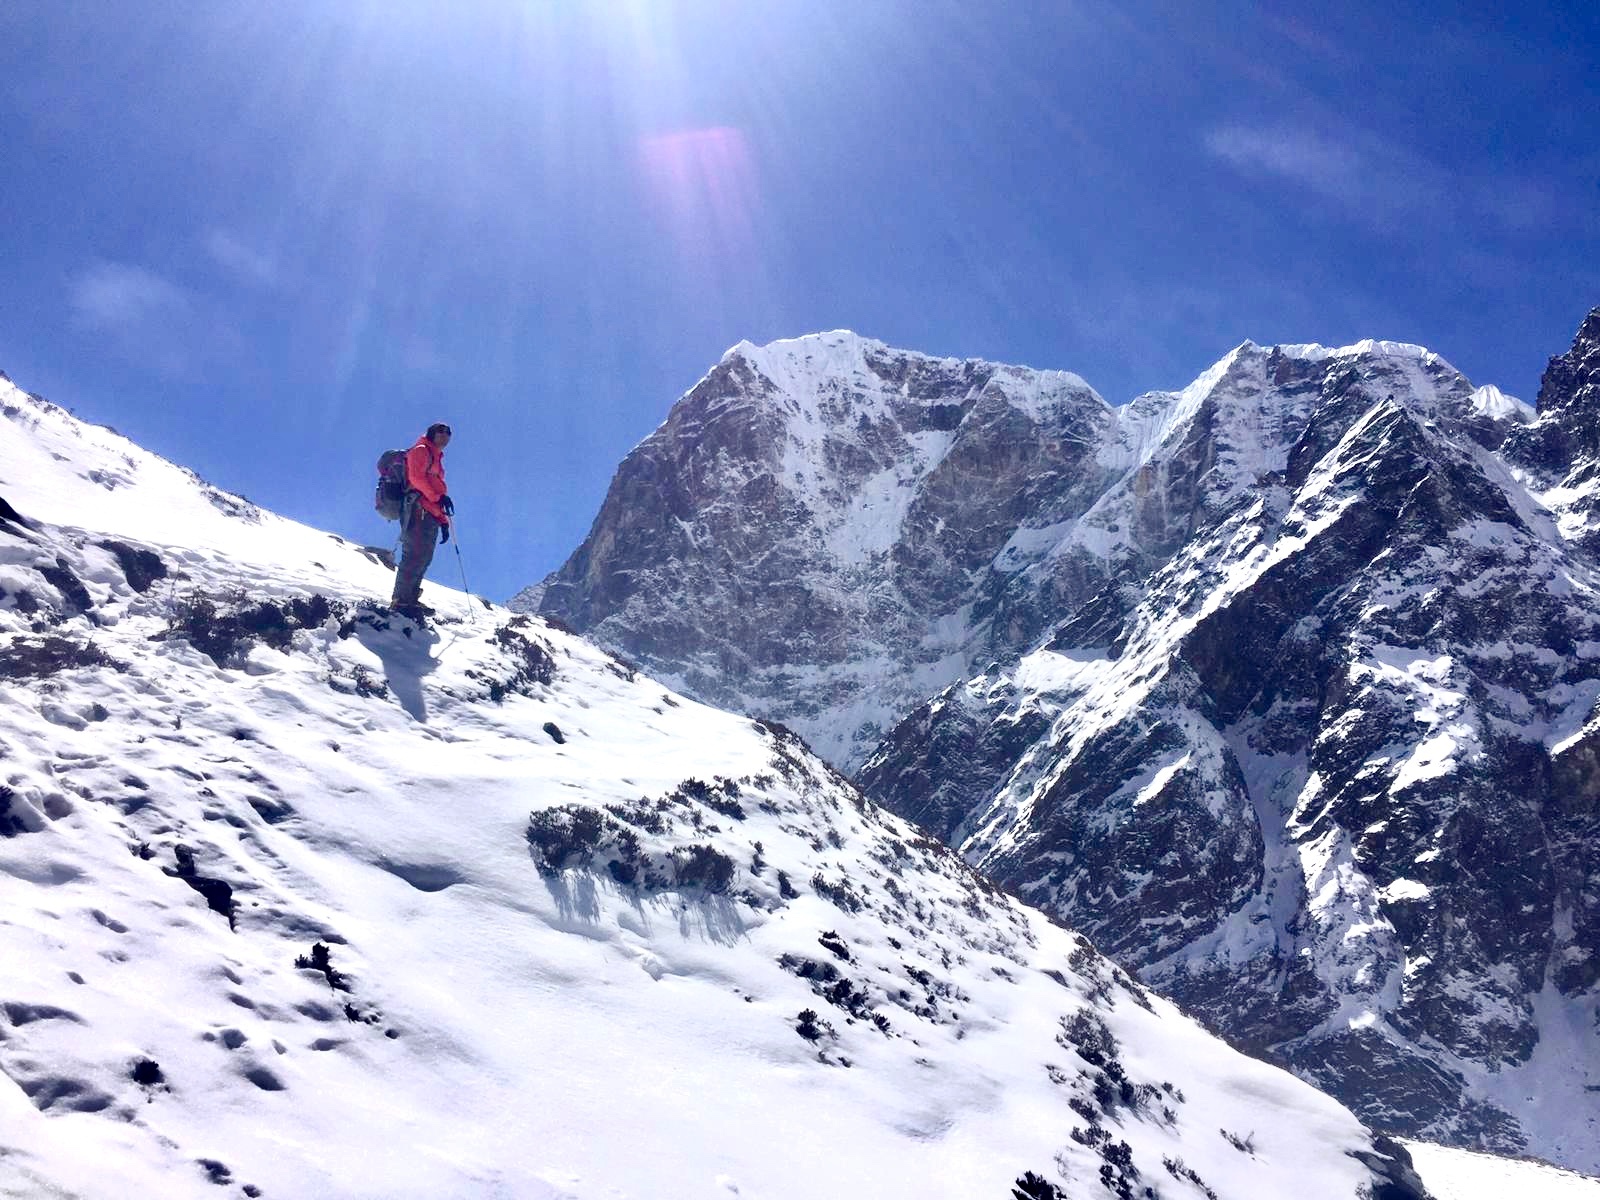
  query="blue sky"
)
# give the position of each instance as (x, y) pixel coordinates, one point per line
(269, 240)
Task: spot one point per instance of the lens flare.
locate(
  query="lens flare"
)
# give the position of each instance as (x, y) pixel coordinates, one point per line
(703, 183)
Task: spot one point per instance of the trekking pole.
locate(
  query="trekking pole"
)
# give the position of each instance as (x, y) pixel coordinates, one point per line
(455, 540)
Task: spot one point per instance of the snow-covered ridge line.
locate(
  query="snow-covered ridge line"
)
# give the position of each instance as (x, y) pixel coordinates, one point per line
(1313, 352)
(94, 478)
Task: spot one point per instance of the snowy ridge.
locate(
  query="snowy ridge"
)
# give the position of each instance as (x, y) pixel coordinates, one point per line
(1147, 423)
(296, 899)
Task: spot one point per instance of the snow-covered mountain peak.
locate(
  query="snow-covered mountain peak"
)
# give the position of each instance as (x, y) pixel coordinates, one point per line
(792, 360)
(804, 367)
(1366, 347)
(1490, 402)
(1258, 396)
(996, 493)
(1146, 422)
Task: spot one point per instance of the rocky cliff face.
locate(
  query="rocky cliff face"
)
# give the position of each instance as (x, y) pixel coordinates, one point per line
(813, 532)
(1283, 686)
(1559, 454)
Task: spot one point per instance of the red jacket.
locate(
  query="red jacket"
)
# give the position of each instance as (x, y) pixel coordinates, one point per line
(425, 475)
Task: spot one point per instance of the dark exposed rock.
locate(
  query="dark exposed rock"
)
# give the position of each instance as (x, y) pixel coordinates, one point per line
(141, 567)
(1562, 447)
(1410, 573)
(950, 758)
(782, 543)
(59, 576)
(1395, 1175)
(218, 893)
(10, 517)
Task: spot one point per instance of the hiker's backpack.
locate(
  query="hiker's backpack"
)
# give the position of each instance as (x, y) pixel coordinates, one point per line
(390, 497)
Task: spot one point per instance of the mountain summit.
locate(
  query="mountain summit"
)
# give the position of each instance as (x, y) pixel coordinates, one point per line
(1282, 686)
(813, 532)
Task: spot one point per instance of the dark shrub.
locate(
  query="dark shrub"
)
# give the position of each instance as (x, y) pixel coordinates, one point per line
(313, 612)
(533, 662)
(835, 945)
(576, 835)
(623, 871)
(695, 789)
(703, 866)
(1035, 1187)
(10, 826)
(1090, 1036)
(224, 632)
(39, 657)
(841, 894)
(1244, 1145)
(218, 893)
(321, 959)
(61, 578)
(809, 968)
(564, 836)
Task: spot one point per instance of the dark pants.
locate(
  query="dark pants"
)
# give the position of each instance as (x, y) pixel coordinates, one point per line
(418, 538)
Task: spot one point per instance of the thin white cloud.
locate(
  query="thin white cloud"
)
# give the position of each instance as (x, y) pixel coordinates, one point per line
(122, 298)
(242, 262)
(147, 318)
(1301, 156)
(1379, 182)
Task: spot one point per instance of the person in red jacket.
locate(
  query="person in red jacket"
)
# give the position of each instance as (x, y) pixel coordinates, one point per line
(424, 518)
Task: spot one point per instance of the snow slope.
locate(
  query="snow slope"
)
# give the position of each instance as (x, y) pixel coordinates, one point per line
(298, 900)
(1454, 1174)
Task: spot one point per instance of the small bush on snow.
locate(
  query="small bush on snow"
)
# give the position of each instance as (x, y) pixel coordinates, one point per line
(1035, 1187)
(703, 866)
(10, 826)
(566, 836)
(40, 657)
(224, 631)
(576, 835)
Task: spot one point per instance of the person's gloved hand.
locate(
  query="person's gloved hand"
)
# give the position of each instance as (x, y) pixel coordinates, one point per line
(448, 505)
(444, 534)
